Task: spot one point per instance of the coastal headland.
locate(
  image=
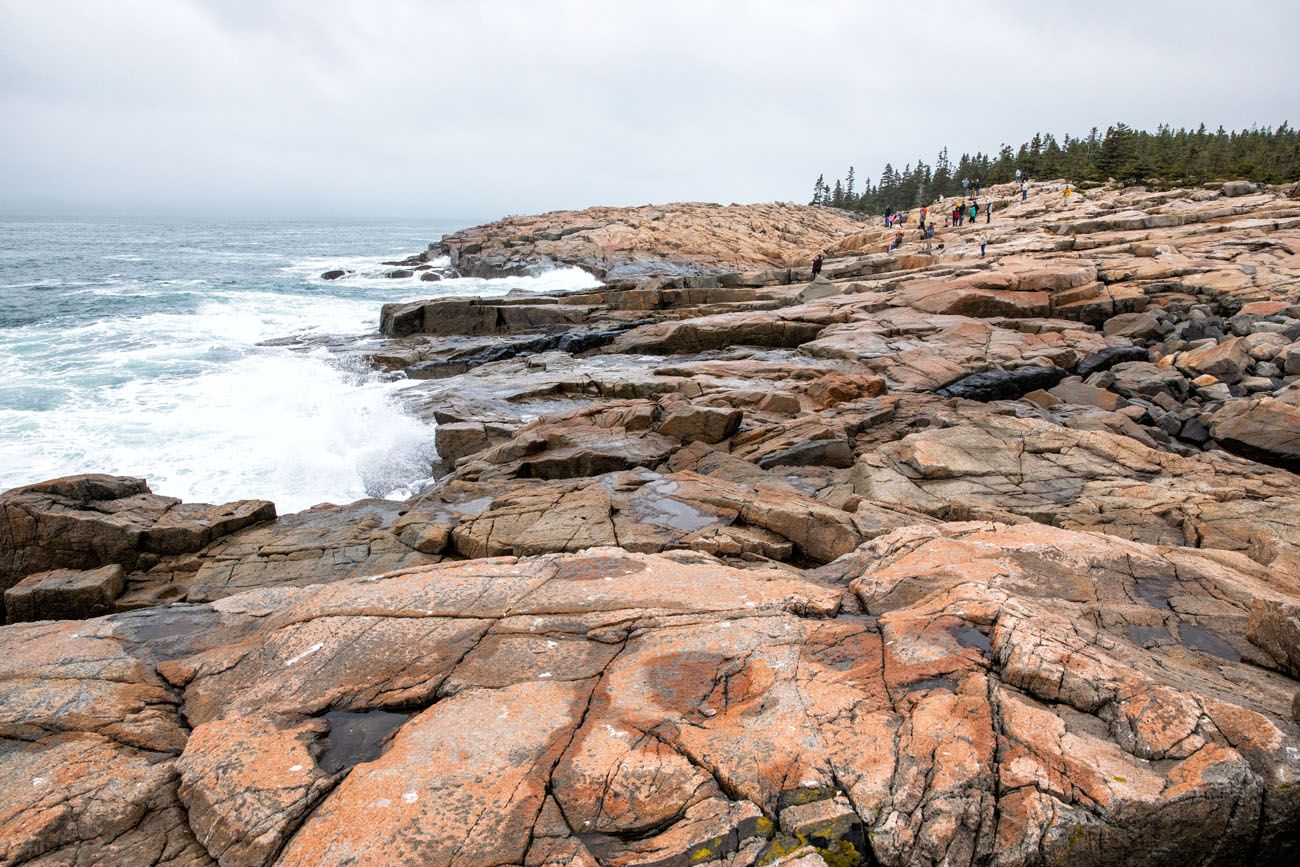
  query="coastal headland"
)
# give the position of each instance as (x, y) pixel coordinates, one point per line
(980, 548)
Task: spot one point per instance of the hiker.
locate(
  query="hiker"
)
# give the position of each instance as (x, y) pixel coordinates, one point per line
(965, 185)
(1017, 175)
(956, 215)
(898, 241)
(977, 186)
(1024, 191)
(984, 242)
(974, 209)
(1067, 194)
(817, 265)
(889, 212)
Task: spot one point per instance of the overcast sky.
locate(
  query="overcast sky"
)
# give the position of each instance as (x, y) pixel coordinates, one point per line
(480, 108)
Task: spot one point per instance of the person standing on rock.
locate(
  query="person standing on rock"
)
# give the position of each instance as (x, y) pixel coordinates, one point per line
(1017, 175)
(1024, 191)
(1067, 194)
(817, 265)
(984, 242)
(965, 185)
(974, 211)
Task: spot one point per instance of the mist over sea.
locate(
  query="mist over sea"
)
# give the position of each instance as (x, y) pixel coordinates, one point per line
(132, 347)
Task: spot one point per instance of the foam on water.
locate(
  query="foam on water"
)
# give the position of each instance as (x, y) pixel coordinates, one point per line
(151, 366)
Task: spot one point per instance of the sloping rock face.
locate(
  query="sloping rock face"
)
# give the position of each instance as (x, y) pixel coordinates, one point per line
(654, 240)
(937, 559)
(978, 693)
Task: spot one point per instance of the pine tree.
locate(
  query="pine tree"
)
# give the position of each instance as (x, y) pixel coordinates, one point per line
(819, 190)
(1118, 156)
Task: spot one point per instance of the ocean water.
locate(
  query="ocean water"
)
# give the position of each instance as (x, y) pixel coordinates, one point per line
(132, 347)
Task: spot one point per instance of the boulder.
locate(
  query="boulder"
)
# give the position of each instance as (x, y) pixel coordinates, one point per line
(88, 521)
(65, 594)
(815, 453)
(1238, 188)
(826, 391)
(1144, 379)
(455, 440)
(1073, 391)
(690, 423)
(1274, 626)
(1134, 326)
(1003, 384)
(1107, 358)
(1289, 357)
(1261, 428)
(1227, 361)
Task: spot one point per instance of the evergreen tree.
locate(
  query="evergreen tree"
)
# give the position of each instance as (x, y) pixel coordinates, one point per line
(819, 190)
(1117, 157)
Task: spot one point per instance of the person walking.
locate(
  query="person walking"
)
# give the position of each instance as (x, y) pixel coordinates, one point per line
(984, 242)
(1017, 175)
(817, 265)
(1067, 194)
(974, 210)
(1024, 191)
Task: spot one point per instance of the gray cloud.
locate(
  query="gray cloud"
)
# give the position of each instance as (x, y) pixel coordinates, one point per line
(480, 108)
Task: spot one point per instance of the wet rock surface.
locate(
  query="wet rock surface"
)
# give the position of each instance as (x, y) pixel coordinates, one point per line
(937, 559)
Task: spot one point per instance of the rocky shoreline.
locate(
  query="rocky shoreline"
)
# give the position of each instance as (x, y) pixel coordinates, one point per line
(937, 558)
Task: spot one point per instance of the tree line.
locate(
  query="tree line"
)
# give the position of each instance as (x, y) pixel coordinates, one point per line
(1164, 157)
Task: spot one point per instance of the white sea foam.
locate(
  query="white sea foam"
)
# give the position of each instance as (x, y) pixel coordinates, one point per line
(190, 402)
(365, 272)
